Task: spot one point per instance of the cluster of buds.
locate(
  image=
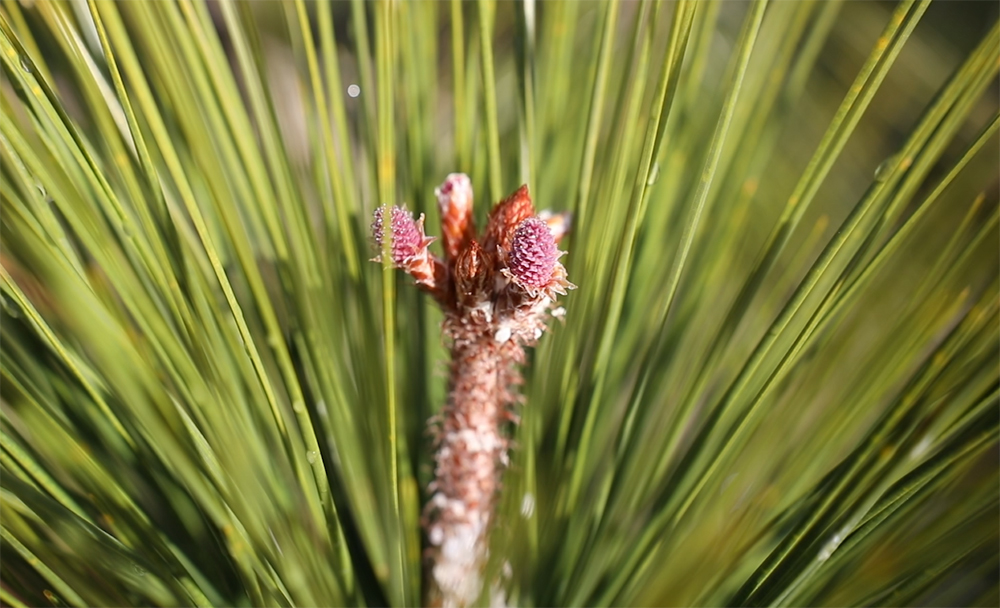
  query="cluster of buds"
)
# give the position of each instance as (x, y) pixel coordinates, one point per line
(496, 292)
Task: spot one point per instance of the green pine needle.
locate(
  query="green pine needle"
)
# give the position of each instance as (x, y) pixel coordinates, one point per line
(777, 383)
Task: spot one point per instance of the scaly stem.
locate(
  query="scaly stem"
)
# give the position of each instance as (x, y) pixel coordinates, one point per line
(470, 455)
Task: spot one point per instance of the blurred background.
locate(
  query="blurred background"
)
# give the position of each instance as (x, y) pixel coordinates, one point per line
(776, 384)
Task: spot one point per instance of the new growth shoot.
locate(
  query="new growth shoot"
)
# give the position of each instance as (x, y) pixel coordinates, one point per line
(496, 290)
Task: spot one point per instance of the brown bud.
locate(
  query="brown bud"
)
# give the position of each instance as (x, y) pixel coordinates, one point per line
(505, 218)
(455, 202)
(472, 278)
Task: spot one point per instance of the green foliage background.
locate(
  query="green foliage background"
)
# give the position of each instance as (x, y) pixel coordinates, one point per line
(777, 382)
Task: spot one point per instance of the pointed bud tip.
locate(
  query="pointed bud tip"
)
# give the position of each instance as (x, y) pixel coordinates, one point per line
(455, 182)
(506, 216)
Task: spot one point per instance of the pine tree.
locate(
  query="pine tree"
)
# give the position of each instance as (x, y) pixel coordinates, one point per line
(775, 383)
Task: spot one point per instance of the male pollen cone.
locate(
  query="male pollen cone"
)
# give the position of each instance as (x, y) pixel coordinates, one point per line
(533, 253)
(407, 237)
